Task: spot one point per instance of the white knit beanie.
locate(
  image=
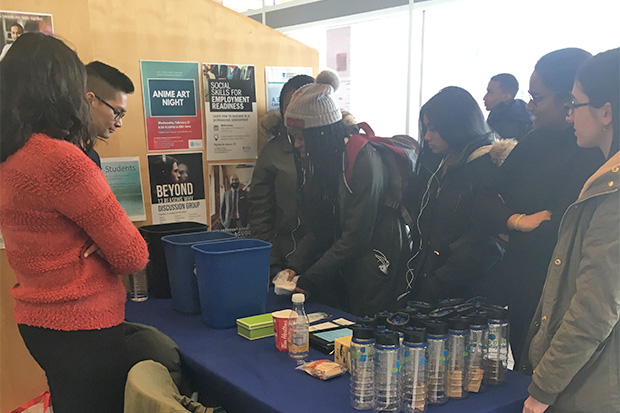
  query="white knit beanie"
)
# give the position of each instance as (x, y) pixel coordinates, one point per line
(312, 105)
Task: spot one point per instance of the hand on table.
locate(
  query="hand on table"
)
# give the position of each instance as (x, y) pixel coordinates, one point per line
(532, 405)
(291, 273)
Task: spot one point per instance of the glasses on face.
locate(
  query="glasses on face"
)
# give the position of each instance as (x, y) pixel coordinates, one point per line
(571, 106)
(118, 114)
(536, 98)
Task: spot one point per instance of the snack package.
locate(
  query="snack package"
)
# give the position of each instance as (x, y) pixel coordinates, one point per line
(322, 369)
(282, 285)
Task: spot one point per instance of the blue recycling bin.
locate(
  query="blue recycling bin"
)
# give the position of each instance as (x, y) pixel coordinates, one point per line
(180, 263)
(233, 280)
(157, 269)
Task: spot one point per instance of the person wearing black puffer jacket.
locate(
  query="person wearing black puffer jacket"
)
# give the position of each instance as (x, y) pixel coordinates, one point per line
(508, 117)
(454, 255)
(354, 252)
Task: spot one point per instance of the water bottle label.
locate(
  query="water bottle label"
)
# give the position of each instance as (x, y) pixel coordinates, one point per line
(422, 361)
(396, 369)
(294, 348)
(445, 358)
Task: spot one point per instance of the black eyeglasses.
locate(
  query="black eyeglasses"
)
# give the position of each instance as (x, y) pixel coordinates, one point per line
(536, 98)
(118, 114)
(571, 106)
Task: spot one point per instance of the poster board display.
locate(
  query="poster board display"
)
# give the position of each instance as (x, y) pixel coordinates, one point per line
(276, 77)
(231, 114)
(177, 188)
(172, 111)
(123, 175)
(220, 179)
(14, 22)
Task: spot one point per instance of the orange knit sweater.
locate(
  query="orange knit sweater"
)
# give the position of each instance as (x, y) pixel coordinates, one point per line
(54, 202)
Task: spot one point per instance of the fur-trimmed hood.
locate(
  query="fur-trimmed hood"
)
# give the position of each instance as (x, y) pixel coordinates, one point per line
(499, 150)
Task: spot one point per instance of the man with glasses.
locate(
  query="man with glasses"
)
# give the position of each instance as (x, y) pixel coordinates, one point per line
(107, 90)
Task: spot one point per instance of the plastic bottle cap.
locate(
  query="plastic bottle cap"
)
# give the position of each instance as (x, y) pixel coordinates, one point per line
(397, 320)
(387, 338)
(417, 320)
(478, 318)
(436, 327)
(367, 322)
(414, 335)
(298, 298)
(459, 323)
(465, 308)
(363, 332)
(496, 312)
(442, 313)
(382, 317)
(478, 301)
(450, 302)
(421, 306)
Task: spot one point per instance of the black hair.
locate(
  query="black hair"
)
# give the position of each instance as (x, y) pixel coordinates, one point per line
(599, 77)
(19, 26)
(507, 82)
(161, 169)
(323, 167)
(43, 85)
(456, 116)
(112, 76)
(293, 83)
(557, 69)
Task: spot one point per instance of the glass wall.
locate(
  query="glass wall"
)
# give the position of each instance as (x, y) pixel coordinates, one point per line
(455, 42)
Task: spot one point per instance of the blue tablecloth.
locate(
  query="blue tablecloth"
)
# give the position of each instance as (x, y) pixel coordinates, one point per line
(252, 376)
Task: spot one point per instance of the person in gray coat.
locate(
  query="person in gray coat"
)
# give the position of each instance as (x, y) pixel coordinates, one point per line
(573, 346)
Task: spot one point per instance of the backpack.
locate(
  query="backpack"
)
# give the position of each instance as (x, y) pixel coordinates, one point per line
(398, 153)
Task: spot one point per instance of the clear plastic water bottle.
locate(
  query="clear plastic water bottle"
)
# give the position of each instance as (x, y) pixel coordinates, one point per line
(437, 362)
(396, 322)
(387, 372)
(496, 361)
(362, 352)
(413, 378)
(458, 348)
(138, 286)
(298, 335)
(478, 339)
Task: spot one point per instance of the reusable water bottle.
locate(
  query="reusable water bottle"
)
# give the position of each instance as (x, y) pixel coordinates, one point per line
(458, 348)
(396, 322)
(387, 372)
(437, 361)
(478, 339)
(413, 378)
(362, 355)
(298, 326)
(496, 361)
(138, 286)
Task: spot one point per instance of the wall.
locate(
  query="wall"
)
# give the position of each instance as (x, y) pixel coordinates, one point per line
(122, 33)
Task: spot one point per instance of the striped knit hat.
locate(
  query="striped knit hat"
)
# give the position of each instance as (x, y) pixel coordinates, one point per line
(312, 105)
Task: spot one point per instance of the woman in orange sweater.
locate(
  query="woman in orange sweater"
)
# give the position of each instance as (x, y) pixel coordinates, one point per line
(56, 209)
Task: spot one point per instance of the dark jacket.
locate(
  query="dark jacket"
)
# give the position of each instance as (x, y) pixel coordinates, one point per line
(453, 255)
(545, 171)
(510, 119)
(274, 199)
(370, 245)
(575, 336)
(226, 209)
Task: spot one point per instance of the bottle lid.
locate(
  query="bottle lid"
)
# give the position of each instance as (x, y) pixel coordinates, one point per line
(298, 298)
(436, 327)
(382, 317)
(478, 318)
(414, 335)
(496, 312)
(418, 319)
(478, 301)
(387, 338)
(397, 320)
(363, 332)
(421, 306)
(442, 313)
(465, 308)
(367, 321)
(410, 310)
(459, 323)
(450, 302)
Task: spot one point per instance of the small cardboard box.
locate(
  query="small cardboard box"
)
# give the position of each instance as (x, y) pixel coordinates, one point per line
(255, 327)
(342, 348)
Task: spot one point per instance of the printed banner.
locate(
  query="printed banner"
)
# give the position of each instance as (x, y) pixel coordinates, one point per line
(230, 106)
(177, 188)
(123, 175)
(16, 23)
(221, 180)
(171, 105)
(276, 77)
